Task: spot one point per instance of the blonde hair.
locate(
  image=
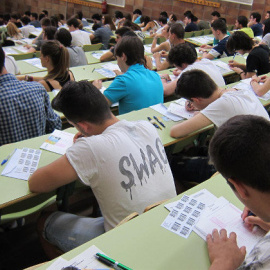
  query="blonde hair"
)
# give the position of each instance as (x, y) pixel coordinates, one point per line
(60, 59)
(13, 30)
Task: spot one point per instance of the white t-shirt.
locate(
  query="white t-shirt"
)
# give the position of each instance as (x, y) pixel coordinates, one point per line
(27, 29)
(80, 38)
(259, 257)
(126, 167)
(234, 103)
(208, 67)
(11, 66)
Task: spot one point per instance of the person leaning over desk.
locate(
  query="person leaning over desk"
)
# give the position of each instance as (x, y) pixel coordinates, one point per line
(216, 105)
(239, 150)
(106, 156)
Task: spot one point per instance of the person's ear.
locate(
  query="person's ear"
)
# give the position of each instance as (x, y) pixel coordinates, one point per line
(124, 57)
(240, 188)
(86, 127)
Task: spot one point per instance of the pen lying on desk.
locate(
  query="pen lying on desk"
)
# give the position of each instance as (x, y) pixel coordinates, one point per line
(154, 123)
(110, 262)
(159, 121)
(7, 158)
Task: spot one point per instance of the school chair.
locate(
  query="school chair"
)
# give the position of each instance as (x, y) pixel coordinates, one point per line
(207, 31)
(148, 40)
(153, 205)
(22, 56)
(92, 47)
(189, 34)
(128, 218)
(230, 27)
(37, 54)
(161, 39)
(198, 33)
(35, 266)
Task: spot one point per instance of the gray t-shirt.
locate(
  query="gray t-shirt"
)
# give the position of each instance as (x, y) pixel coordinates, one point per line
(76, 56)
(266, 39)
(104, 34)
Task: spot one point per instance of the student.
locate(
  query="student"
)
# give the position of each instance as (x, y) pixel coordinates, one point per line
(138, 87)
(55, 57)
(258, 88)
(14, 18)
(11, 65)
(108, 56)
(184, 58)
(164, 46)
(97, 21)
(106, 156)
(13, 32)
(27, 28)
(45, 22)
(34, 20)
(215, 16)
(257, 62)
(238, 151)
(83, 20)
(267, 15)
(219, 30)
(162, 21)
(45, 12)
(25, 110)
(189, 22)
(79, 37)
(150, 25)
(266, 33)
(241, 24)
(216, 105)
(137, 14)
(254, 24)
(118, 15)
(76, 54)
(107, 22)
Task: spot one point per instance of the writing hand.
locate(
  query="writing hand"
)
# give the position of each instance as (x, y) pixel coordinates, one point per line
(97, 84)
(223, 250)
(77, 136)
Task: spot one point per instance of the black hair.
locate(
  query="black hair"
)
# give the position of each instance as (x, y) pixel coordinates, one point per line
(49, 32)
(35, 15)
(27, 13)
(93, 106)
(133, 48)
(54, 21)
(2, 59)
(188, 12)
(164, 14)
(63, 36)
(178, 30)
(243, 20)
(239, 40)
(182, 54)
(220, 25)
(239, 150)
(174, 18)
(215, 13)
(128, 17)
(145, 20)
(163, 20)
(14, 16)
(41, 16)
(96, 16)
(188, 86)
(137, 11)
(45, 12)
(25, 20)
(121, 31)
(80, 15)
(73, 21)
(118, 14)
(223, 19)
(6, 17)
(129, 34)
(266, 27)
(60, 16)
(256, 16)
(45, 22)
(132, 25)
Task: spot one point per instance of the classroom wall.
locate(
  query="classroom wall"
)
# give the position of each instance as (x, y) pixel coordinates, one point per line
(152, 8)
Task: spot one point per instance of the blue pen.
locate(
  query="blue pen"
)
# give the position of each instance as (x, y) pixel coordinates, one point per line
(159, 121)
(153, 123)
(7, 158)
(250, 214)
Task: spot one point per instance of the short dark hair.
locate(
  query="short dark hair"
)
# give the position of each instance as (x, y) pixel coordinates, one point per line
(93, 106)
(25, 20)
(45, 22)
(128, 17)
(129, 34)
(137, 11)
(54, 21)
(243, 20)
(35, 15)
(49, 32)
(2, 59)
(174, 18)
(80, 15)
(133, 48)
(145, 20)
(27, 13)
(96, 16)
(73, 21)
(188, 86)
(223, 19)
(266, 29)
(215, 13)
(239, 150)
(220, 25)
(162, 19)
(45, 12)
(256, 16)
(164, 14)
(178, 30)
(188, 12)
(118, 14)
(60, 16)
(14, 16)
(63, 36)
(41, 16)
(239, 40)
(121, 31)
(182, 54)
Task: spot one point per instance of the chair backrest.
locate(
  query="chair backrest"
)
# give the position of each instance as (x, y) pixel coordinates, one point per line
(153, 205)
(189, 34)
(128, 218)
(207, 31)
(22, 56)
(230, 27)
(92, 47)
(37, 54)
(198, 33)
(148, 40)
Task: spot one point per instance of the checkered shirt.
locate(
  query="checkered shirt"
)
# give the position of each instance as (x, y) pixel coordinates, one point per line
(25, 110)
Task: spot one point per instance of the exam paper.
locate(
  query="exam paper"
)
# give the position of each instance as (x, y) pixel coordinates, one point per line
(180, 111)
(58, 142)
(147, 48)
(97, 55)
(202, 40)
(22, 163)
(223, 67)
(111, 66)
(161, 108)
(8, 50)
(34, 62)
(106, 72)
(85, 260)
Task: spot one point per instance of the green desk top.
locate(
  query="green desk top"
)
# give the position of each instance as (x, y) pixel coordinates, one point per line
(27, 68)
(91, 59)
(143, 244)
(196, 43)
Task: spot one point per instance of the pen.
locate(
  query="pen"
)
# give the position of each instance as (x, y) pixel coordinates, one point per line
(7, 158)
(250, 214)
(159, 121)
(110, 262)
(93, 70)
(153, 123)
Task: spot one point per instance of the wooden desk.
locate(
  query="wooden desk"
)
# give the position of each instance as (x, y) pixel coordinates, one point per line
(143, 244)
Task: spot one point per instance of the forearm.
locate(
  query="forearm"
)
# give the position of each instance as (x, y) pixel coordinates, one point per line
(154, 44)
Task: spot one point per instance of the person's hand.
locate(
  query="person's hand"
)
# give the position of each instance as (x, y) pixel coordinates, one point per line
(177, 72)
(189, 106)
(233, 63)
(223, 251)
(77, 136)
(27, 46)
(163, 54)
(117, 72)
(156, 55)
(262, 79)
(97, 84)
(237, 70)
(205, 46)
(165, 77)
(251, 221)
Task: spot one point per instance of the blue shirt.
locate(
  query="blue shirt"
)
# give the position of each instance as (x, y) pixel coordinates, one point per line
(25, 110)
(136, 89)
(257, 29)
(138, 19)
(220, 50)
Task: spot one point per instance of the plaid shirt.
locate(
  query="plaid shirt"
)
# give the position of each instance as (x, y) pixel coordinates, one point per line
(25, 110)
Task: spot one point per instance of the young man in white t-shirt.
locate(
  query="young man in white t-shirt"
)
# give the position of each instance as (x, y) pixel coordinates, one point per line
(79, 37)
(216, 105)
(123, 162)
(184, 58)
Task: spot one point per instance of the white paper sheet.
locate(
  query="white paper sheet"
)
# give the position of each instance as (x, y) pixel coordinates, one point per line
(223, 67)
(8, 50)
(35, 62)
(97, 55)
(161, 108)
(180, 111)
